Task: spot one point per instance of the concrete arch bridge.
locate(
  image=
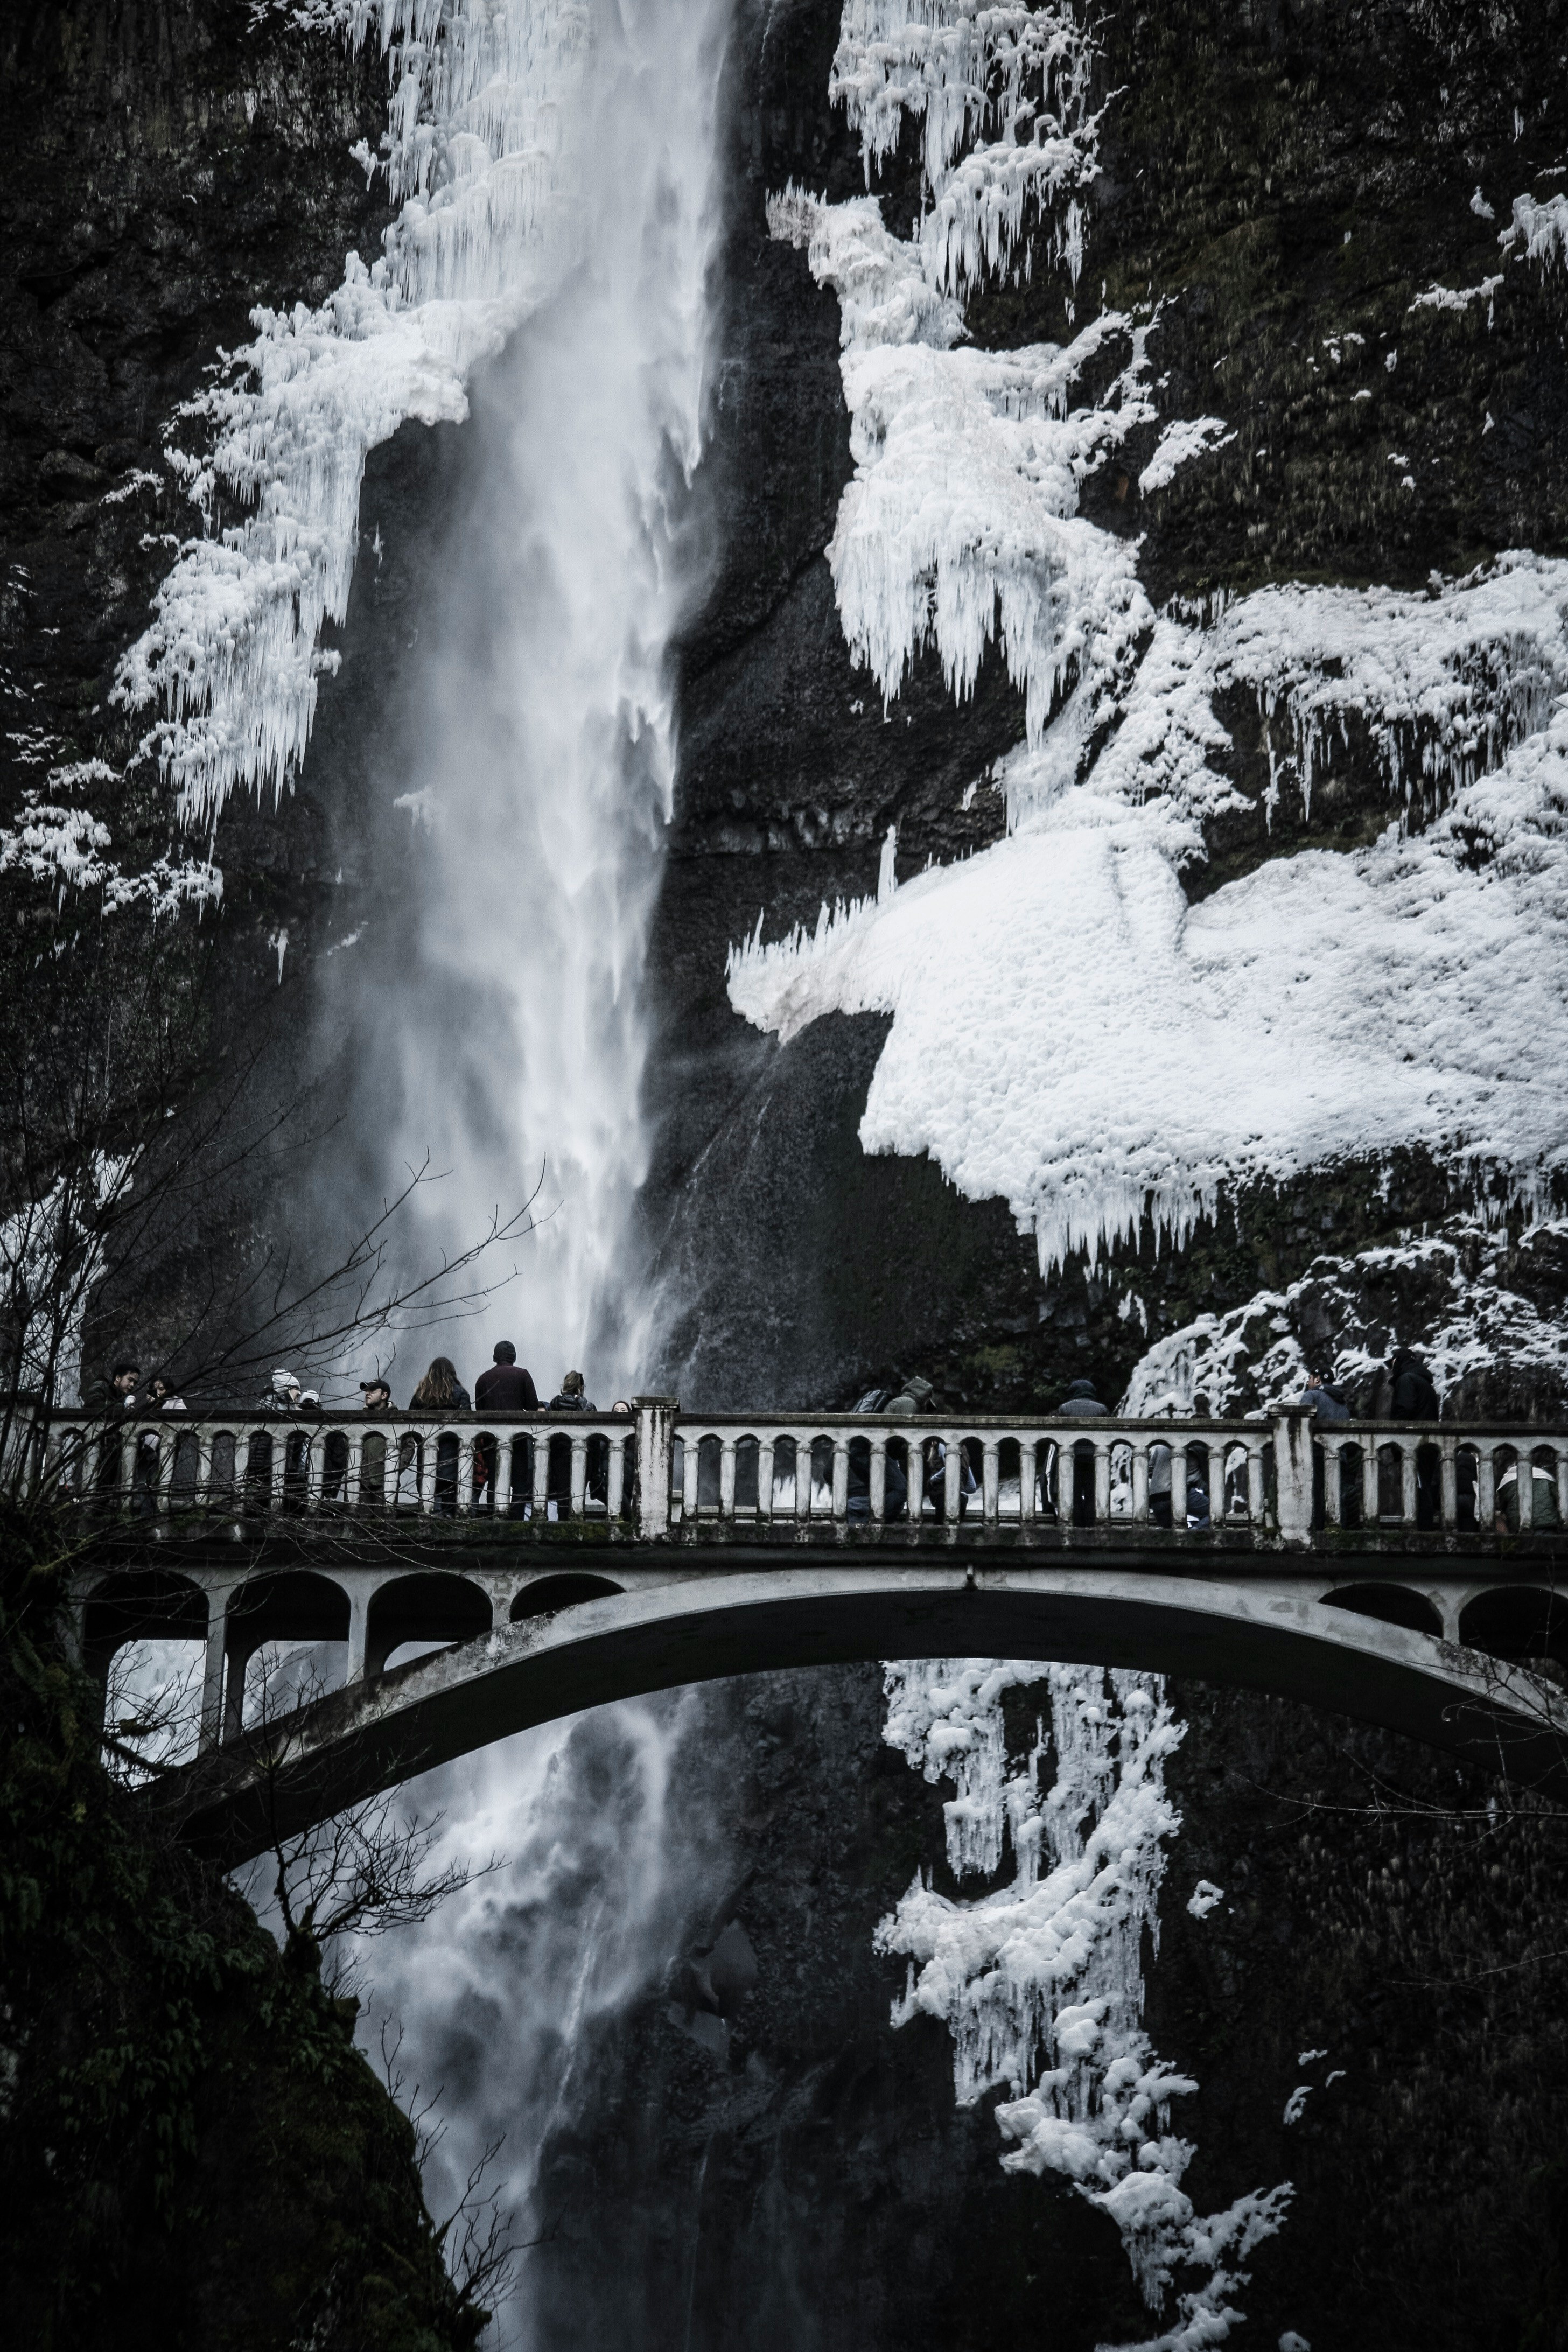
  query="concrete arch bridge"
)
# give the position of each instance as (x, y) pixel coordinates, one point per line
(545, 1563)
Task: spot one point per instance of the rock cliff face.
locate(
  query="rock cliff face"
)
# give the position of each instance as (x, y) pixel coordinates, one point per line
(1276, 182)
(1277, 187)
(813, 2184)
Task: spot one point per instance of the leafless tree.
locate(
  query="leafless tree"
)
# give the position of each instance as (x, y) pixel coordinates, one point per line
(150, 1725)
(365, 1869)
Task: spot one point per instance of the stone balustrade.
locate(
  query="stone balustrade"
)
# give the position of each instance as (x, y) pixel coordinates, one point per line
(662, 1475)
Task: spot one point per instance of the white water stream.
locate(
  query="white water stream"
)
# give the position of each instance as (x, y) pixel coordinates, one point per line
(546, 766)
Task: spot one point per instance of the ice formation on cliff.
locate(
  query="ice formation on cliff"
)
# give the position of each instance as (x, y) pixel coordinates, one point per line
(1067, 1033)
(1471, 1318)
(482, 146)
(1048, 1968)
(1021, 73)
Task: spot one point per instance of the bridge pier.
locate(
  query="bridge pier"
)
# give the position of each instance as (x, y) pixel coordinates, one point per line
(359, 1619)
(211, 1730)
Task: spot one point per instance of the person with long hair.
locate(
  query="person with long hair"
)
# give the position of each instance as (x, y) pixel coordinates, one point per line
(441, 1391)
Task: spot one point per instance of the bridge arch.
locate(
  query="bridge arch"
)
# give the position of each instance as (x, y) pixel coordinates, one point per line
(1280, 1637)
(436, 1606)
(1518, 1622)
(1391, 1604)
(545, 1593)
(279, 1605)
(140, 1605)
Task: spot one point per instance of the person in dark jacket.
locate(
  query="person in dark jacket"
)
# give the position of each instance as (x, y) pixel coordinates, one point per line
(571, 1398)
(116, 1395)
(507, 1386)
(1082, 1404)
(1320, 1398)
(1413, 1396)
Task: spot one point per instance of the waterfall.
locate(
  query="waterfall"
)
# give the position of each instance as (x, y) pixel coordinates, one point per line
(499, 2000)
(554, 166)
(543, 773)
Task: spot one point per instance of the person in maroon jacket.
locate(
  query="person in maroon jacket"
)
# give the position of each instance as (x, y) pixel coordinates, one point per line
(507, 1386)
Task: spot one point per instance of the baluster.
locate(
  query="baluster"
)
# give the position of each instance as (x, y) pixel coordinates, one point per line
(1028, 1481)
(840, 1479)
(990, 1480)
(279, 1467)
(1333, 1480)
(541, 1472)
(1369, 1476)
(1216, 1481)
(1562, 1454)
(579, 1473)
(1407, 1480)
(766, 1479)
(1178, 1484)
(616, 1486)
(502, 1500)
(727, 1474)
(878, 1478)
(1448, 1506)
(1524, 1476)
(1256, 1481)
(430, 1447)
(951, 1473)
(1486, 1486)
(692, 1465)
(315, 1457)
(802, 1477)
(204, 1466)
(113, 1449)
(165, 1442)
(1102, 1481)
(1140, 1451)
(353, 1467)
(465, 1473)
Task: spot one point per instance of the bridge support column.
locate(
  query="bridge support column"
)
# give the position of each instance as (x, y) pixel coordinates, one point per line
(211, 1730)
(1293, 1471)
(359, 1619)
(656, 1433)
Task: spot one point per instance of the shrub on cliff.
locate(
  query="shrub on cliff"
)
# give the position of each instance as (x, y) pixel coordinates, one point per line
(192, 2150)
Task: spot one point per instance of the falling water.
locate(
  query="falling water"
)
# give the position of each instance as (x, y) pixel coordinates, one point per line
(540, 780)
(545, 769)
(499, 1998)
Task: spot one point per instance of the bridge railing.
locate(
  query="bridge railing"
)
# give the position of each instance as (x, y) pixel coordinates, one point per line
(660, 1475)
(544, 1467)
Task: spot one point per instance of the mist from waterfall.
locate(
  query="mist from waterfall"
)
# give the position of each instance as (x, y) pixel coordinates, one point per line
(543, 766)
(499, 1999)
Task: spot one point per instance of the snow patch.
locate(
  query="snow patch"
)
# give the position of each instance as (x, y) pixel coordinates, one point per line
(1189, 437)
(1474, 1321)
(1542, 229)
(1413, 992)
